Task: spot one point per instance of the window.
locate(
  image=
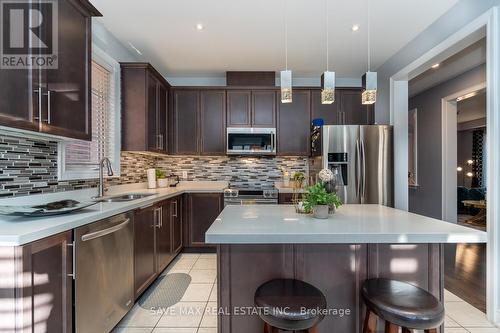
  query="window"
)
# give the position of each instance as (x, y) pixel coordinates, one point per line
(80, 159)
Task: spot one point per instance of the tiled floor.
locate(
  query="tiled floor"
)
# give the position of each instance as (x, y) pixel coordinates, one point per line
(196, 310)
(462, 317)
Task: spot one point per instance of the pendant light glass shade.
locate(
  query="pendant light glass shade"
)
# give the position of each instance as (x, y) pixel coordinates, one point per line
(327, 87)
(286, 86)
(369, 81)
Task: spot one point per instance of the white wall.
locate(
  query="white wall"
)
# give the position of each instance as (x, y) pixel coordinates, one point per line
(464, 12)
(108, 43)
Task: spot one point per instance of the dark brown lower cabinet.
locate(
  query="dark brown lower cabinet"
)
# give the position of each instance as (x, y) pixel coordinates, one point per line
(158, 239)
(176, 224)
(144, 248)
(201, 209)
(46, 282)
(163, 236)
(285, 198)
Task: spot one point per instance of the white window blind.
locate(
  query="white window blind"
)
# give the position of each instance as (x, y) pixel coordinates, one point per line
(81, 158)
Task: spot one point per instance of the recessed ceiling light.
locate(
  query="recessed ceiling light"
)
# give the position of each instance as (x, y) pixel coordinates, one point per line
(355, 28)
(435, 66)
(199, 27)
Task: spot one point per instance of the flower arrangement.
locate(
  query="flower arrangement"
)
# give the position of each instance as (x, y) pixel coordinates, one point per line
(325, 175)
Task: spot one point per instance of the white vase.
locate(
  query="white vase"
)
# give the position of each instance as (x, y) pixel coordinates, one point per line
(321, 211)
(163, 182)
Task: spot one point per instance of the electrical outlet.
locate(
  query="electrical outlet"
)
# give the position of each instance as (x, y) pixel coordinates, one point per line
(184, 175)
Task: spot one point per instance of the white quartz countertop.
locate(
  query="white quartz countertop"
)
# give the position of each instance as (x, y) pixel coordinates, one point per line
(351, 224)
(16, 230)
(280, 186)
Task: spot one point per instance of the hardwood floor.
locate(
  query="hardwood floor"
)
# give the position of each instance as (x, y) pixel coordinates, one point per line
(465, 272)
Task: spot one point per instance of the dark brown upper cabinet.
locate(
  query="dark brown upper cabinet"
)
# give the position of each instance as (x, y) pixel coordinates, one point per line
(238, 108)
(346, 110)
(144, 108)
(199, 122)
(56, 101)
(328, 112)
(294, 121)
(212, 122)
(263, 108)
(185, 122)
(351, 111)
(251, 108)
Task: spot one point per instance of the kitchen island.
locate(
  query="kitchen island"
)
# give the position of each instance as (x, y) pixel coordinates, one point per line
(259, 243)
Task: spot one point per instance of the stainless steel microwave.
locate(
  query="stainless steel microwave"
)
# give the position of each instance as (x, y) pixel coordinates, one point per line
(251, 141)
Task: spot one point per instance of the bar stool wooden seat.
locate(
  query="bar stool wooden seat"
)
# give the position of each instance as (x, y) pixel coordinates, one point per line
(289, 305)
(400, 304)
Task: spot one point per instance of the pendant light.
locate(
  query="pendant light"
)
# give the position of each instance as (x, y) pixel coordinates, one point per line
(327, 78)
(369, 79)
(286, 75)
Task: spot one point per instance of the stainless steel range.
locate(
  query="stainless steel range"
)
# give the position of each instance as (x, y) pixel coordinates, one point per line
(250, 196)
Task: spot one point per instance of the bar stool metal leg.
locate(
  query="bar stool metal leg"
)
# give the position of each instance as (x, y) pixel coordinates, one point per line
(370, 323)
(391, 328)
(312, 330)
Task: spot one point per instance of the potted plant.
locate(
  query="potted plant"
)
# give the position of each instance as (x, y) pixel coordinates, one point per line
(318, 201)
(161, 178)
(298, 179)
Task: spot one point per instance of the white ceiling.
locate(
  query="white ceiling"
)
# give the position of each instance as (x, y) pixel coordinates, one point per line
(470, 57)
(249, 35)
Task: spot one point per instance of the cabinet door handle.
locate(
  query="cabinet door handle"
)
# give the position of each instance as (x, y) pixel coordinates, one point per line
(157, 218)
(73, 265)
(175, 205)
(160, 212)
(49, 103)
(39, 92)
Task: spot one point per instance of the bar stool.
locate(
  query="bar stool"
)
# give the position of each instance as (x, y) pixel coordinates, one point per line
(400, 304)
(290, 305)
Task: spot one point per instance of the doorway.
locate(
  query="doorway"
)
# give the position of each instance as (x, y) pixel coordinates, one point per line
(484, 26)
(464, 134)
(447, 109)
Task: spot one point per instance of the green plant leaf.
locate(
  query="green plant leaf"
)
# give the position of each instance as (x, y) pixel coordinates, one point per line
(317, 195)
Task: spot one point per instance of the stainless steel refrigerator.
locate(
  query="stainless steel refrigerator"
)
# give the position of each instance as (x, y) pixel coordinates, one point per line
(363, 158)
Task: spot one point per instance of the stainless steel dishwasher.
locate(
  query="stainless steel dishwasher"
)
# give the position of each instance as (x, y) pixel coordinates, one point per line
(104, 273)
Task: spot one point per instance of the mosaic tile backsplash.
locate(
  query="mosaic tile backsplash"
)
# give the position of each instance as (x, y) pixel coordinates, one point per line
(29, 166)
(239, 171)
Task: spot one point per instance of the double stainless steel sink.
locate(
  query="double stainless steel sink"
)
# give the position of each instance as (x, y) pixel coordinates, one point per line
(124, 197)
